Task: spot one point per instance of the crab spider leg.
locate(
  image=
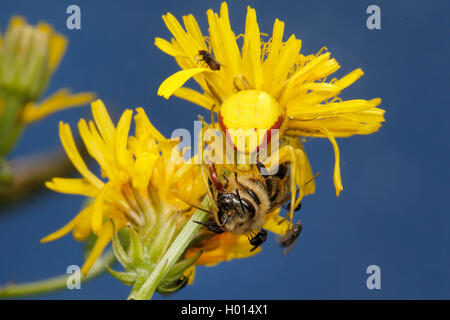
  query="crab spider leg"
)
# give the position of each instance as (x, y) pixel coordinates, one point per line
(293, 187)
(301, 179)
(213, 121)
(205, 178)
(295, 157)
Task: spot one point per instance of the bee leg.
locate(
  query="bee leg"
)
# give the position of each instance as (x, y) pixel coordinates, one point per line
(288, 207)
(281, 173)
(250, 235)
(258, 239)
(211, 226)
(261, 168)
(198, 58)
(297, 208)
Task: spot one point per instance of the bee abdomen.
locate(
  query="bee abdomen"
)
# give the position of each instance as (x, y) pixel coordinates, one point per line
(253, 194)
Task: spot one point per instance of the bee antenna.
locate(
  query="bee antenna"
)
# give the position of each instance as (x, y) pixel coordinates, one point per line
(224, 220)
(313, 178)
(195, 206)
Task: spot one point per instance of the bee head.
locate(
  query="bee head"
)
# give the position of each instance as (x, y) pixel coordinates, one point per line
(233, 207)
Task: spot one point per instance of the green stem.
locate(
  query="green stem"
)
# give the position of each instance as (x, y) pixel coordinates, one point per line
(54, 283)
(6, 179)
(172, 255)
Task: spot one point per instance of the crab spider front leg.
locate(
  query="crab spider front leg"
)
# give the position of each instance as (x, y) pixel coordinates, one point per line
(205, 178)
(287, 153)
(293, 155)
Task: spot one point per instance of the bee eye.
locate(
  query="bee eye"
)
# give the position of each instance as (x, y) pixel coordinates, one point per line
(248, 206)
(231, 203)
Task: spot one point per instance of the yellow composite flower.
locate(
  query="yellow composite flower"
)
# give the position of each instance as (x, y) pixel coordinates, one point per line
(266, 84)
(29, 55)
(141, 176)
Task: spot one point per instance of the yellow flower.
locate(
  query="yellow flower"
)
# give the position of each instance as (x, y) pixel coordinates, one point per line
(142, 178)
(271, 80)
(29, 55)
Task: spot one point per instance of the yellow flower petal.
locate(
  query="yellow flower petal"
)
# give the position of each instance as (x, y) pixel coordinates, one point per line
(104, 237)
(145, 128)
(97, 213)
(332, 109)
(272, 58)
(177, 80)
(60, 100)
(73, 224)
(181, 36)
(63, 231)
(84, 227)
(232, 246)
(58, 45)
(365, 122)
(103, 121)
(195, 97)
(223, 41)
(167, 47)
(276, 224)
(143, 169)
(194, 31)
(337, 167)
(72, 152)
(45, 28)
(349, 79)
(123, 155)
(97, 148)
(287, 57)
(252, 50)
(190, 272)
(17, 21)
(72, 186)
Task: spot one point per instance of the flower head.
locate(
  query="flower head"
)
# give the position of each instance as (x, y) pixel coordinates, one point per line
(142, 178)
(29, 55)
(271, 80)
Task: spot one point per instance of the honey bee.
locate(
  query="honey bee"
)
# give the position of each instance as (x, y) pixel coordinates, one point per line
(208, 58)
(244, 199)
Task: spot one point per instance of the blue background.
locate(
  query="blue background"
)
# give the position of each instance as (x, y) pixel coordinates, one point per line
(394, 209)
